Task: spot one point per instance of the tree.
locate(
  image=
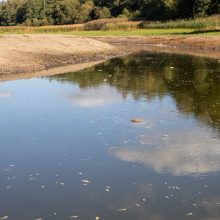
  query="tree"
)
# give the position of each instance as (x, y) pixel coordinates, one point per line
(65, 11)
(8, 11)
(85, 12)
(201, 7)
(100, 13)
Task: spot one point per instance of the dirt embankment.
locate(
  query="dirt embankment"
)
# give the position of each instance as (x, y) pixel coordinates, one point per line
(25, 56)
(194, 45)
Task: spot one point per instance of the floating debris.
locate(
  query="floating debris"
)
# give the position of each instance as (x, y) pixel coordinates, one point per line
(74, 217)
(85, 181)
(137, 205)
(97, 218)
(5, 217)
(189, 214)
(122, 210)
(136, 120)
(108, 188)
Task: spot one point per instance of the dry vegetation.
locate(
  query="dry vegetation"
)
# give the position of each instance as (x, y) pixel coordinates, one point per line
(120, 24)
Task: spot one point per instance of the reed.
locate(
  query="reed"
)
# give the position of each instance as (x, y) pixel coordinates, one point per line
(119, 24)
(212, 22)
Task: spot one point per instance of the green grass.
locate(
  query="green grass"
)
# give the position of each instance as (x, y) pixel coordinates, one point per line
(137, 32)
(146, 32)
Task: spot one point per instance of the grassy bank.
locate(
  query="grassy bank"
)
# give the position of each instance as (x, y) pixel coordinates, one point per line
(124, 27)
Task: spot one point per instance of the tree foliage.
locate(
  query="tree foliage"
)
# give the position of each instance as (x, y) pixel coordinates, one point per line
(41, 12)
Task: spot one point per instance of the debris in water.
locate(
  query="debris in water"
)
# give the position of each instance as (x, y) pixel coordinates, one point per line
(136, 120)
(5, 217)
(189, 214)
(122, 210)
(144, 199)
(74, 216)
(97, 218)
(85, 181)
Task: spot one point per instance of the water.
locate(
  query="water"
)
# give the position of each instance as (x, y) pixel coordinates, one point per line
(68, 149)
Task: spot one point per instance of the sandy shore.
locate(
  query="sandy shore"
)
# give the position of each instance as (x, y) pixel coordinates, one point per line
(25, 56)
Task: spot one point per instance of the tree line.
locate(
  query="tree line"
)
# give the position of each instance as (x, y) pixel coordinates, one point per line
(49, 12)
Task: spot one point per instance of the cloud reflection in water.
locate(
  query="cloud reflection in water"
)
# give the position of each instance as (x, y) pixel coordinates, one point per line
(185, 152)
(94, 97)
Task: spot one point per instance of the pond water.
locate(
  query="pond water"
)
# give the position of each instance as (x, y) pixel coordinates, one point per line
(68, 148)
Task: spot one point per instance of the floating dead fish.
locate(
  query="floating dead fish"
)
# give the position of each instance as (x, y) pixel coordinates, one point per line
(85, 181)
(74, 217)
(144, 199)
(97, 218)
(122, 210)
(136, 120)
(189, 214)
(5, 217)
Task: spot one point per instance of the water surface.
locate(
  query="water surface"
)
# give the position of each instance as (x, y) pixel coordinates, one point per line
(68, 149)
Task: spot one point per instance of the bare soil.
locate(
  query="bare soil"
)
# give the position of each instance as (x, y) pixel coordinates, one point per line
(204, 46)
(25, 56)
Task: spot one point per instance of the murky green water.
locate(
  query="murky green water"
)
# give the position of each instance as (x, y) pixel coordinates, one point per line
(68, 149)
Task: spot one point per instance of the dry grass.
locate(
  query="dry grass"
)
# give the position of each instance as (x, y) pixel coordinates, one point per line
(121, 24)
(212, 22)
(112, 24)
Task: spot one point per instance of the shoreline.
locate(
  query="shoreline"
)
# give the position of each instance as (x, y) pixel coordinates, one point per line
(48, 62)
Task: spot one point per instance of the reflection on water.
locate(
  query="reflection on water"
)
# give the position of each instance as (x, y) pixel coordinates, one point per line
(68, 149)
(94, 97)
(180, 152)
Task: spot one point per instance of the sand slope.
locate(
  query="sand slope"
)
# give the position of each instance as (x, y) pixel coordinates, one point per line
(28, 53)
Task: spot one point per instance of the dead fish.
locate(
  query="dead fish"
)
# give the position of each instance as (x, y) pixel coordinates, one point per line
(122, 210)
(74, 217)
(5, 217)
(136, 120)
(85, 181)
